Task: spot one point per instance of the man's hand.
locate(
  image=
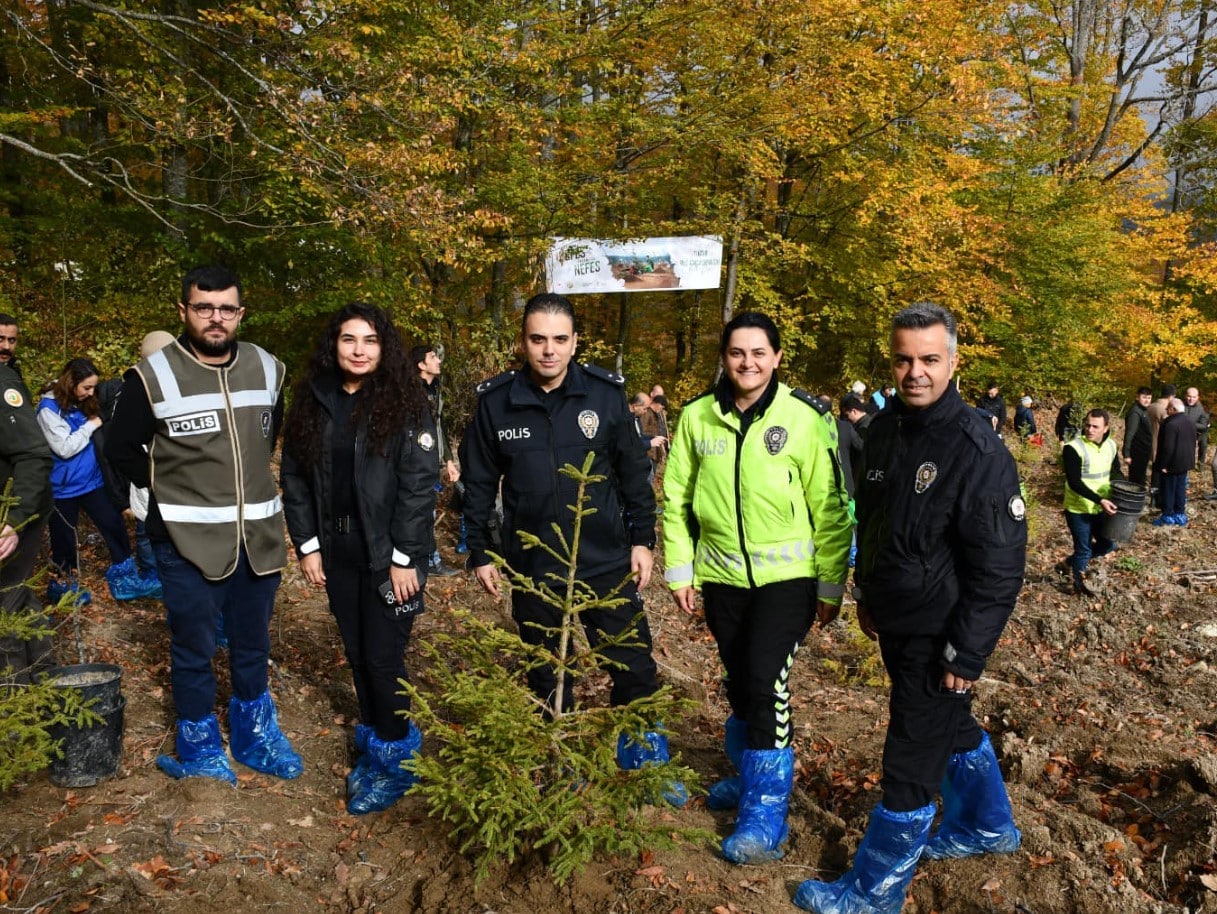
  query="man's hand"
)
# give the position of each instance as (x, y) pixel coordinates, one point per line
(686, 598)
(827, 612)
(488, 577)
(957, 684)
(1109, 506)
(641, 561)
(454, 472)
(8, 541)
(311, 566)
(405, 582)
(866, 623)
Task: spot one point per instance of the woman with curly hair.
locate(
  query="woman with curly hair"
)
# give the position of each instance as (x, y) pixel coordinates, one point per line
(69, 415)
(358, 476)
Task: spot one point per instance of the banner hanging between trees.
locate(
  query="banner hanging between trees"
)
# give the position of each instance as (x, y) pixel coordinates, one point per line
(577, 266)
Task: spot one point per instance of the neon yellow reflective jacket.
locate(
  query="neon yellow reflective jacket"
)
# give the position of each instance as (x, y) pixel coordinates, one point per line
(1096, 473)
(753, 509)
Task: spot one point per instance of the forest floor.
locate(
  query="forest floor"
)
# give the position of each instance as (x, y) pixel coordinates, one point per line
(1102, 712)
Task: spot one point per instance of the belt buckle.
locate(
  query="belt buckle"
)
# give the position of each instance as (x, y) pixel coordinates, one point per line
(342, 524)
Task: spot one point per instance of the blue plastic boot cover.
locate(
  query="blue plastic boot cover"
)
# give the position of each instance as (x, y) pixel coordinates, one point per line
(56, 590)
(882, 870)
(976, 813)
(152, 584)
(653, 750)
(363, 771)
(125, 582)
(200, 752)
(257, 741)
(725, 793)
(389, 781)
(767, 776)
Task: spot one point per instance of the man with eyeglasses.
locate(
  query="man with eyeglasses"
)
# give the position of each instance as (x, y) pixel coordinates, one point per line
(197, 422)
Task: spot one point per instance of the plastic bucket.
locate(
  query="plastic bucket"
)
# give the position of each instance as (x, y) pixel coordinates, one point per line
(90, 754)
(1130, 503)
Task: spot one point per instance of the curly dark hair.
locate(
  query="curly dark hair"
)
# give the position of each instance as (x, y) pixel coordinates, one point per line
(392, 397)
(63, 388)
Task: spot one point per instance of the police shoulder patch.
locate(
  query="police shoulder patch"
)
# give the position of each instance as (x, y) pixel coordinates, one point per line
(820, 406)
(497, 381)
(604, 374)
(13, 397)
(1017, 507)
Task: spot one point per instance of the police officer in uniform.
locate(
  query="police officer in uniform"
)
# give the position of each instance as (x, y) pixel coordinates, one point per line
(25, 458)
(197, 422)
(941, 548)
(528, 425)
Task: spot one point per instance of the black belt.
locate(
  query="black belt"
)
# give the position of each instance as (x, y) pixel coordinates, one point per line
(348, 523)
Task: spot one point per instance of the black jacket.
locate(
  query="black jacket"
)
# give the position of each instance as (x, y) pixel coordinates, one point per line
(1138, 433)
(524, 437)
(25, 456)
(942, 534)
(1176, 445)
(994, 406)
(395, 494)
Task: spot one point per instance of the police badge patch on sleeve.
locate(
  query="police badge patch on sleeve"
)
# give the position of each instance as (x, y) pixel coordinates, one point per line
(426, 441)
(1017, 507)
(775, 439)
(13, 397)
(589, 423)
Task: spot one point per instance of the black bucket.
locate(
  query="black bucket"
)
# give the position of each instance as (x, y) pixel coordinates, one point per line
(90, 754)
(1130, 503)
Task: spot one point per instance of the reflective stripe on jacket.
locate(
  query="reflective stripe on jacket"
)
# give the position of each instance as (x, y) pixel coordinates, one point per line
(758, 507)
(210, 458)
(1096, 474)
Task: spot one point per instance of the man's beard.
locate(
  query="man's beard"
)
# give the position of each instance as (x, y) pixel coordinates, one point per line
(204, 346)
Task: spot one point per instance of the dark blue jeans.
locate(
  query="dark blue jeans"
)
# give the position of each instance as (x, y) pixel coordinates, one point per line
(244, 600)
(106, 518)
(1086, 543)
(1174, 493)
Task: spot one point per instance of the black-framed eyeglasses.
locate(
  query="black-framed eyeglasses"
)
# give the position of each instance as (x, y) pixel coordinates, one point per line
(227, 312)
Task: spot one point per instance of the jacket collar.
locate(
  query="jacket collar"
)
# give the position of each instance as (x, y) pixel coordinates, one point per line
(724, 395)
(936, 415)
(525, 393)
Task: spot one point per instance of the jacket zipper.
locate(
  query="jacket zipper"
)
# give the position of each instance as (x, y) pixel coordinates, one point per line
(739, 507)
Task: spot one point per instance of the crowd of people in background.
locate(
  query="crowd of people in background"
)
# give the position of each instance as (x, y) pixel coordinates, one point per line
(885, 485)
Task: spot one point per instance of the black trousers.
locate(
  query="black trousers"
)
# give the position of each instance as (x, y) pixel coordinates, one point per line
(374, 636)
(758, 632)
(24, 657)
(926, 724)
(631, 669)
(1138, 464)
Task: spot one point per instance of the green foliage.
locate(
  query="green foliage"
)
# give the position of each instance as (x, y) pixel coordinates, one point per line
(858, 661)
(513, 778)
(1126, 562)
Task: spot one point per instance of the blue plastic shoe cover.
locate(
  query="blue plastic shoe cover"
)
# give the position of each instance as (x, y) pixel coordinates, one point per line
(126, 583)
(653, 750)
(200, 752)
(56, 590)
(882, 870)
(976, 813)
(1180, 520)
(152, 583)
(389, 780)
(767, 776)
(363, 771)
(725, 793)
(257, 741)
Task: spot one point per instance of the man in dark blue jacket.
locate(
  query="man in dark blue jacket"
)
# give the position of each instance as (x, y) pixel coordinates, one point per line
(941, 549)
(529, 424)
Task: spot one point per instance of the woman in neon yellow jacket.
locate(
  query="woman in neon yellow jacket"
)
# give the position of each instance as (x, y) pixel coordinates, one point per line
(756, 517)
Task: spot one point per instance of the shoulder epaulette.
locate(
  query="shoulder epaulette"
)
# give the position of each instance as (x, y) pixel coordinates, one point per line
(497, 381)
(604, 374)
(700, 396)
(817, 403)
(978, 431)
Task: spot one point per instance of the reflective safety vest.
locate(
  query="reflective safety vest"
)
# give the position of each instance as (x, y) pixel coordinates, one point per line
(210, 457)
(1096, 473)
(760, 507)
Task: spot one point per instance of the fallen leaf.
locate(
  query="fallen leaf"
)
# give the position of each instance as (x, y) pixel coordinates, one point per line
(1209, 881)
(991, 886)
(306, 822)
(650, 871)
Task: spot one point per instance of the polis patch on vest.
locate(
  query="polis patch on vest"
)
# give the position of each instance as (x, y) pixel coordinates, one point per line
(926, 474)
(775, 439)
(589, 423)
(194, 424)
(266, 423)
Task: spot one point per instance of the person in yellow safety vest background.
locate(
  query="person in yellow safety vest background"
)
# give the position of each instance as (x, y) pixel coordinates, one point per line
(757, 518)
(1091, 460)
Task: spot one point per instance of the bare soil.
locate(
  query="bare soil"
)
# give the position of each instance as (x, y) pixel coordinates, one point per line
(1101, 709)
